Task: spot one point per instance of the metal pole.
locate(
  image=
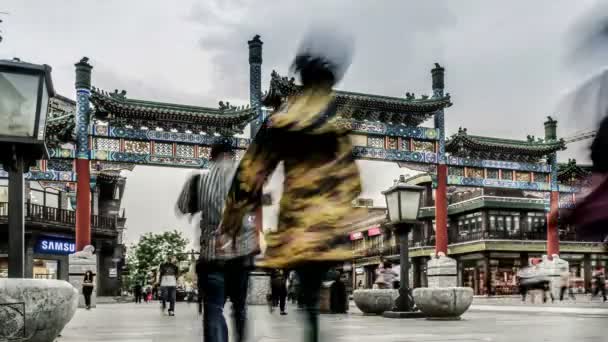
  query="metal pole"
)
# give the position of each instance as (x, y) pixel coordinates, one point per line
(16, 231)
(403, 302)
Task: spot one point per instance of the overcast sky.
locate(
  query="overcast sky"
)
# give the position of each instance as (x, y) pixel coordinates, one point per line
(506, 65)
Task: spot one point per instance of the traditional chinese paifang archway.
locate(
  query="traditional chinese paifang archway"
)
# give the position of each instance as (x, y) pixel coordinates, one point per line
(112, 130)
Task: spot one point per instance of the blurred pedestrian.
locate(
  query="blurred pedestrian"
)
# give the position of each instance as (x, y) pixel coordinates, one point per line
(138, 292)
(565, 285)
(279, 290)
(590, 214)
(385, 275)
(338, 300)
(168, 273)
(87, 288)
(533, 278)
(599, 278)
(293, 289)
(321, 176)
(225, 263)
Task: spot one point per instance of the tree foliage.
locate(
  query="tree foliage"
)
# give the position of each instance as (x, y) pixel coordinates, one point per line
(150, 251)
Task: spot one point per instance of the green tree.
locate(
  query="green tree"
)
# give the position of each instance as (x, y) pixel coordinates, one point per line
(150, 251)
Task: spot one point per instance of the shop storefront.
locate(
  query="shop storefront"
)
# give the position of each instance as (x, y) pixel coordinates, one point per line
(473, 273)
(50, 258)
(503, 273)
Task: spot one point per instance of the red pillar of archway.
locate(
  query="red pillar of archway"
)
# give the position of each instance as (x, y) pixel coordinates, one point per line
(83, 204)
(441, 210)
(83, 171)
(552, 230)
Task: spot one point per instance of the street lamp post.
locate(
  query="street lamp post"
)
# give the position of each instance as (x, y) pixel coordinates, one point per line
(403, 202)
(24, 96)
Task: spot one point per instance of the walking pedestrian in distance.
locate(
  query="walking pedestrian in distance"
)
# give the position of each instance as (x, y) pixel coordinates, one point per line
(224, 264)
(321, 176)
(138, 292)
(385, 276)
(279, 290)
(599, 277)
(87, 288)
(293, 290)
(169, 273)
(565, 285)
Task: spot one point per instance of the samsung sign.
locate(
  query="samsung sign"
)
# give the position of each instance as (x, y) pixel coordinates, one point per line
(55, 245)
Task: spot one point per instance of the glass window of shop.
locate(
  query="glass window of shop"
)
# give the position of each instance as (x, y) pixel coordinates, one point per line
(45, 269)
(43, 196)
(359, 244)
(474, 276)
(536, 223)
(375, 241)
(504, 224)
(3, 191)
(469, 225)
(470, 275)
(3, 267)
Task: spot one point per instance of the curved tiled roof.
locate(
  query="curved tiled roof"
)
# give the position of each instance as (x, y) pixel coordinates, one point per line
(60, 119)
(117, 105)
(464, 145)
(571, 172)
(408, 110)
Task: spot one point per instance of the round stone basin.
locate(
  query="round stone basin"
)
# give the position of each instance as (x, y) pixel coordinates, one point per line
(443, 302)
(375, 301)
(35, 310)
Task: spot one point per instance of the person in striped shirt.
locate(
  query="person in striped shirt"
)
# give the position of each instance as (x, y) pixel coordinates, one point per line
(224, 264)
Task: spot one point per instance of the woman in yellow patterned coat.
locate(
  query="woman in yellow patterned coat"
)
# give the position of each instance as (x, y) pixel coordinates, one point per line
(321, 177)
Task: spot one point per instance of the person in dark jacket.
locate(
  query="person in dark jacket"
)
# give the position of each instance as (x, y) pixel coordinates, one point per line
(87, 288)
(599, 278)
(138, 292)
(279, 290)
(590, 214)
(338, 298)
(169, 273)
(224, 264)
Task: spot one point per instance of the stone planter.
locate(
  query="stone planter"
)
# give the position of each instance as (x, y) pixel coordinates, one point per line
(443, 303)
(35, 310)
(375, 301)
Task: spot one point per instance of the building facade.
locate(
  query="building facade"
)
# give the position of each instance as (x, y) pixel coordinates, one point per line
(492, 234)
(50, 215)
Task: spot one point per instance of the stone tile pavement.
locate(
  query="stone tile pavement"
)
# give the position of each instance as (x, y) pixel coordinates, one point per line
(131, 322)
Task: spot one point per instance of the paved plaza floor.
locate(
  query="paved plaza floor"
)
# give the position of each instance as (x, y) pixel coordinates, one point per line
(131, 322)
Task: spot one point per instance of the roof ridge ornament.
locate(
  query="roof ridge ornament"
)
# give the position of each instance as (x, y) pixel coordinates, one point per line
(121, 95)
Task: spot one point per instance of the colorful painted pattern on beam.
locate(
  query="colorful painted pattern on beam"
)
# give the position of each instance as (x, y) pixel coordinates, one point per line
(141, 134)
(363, 152)
(498, 164)
(440, 127)
(379, 128)
(498, 183)
(49, 175)
(58, 153)
(147, 159)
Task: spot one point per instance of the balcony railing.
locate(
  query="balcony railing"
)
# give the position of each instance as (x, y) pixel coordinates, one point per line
(395, 249)
(40, 213)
